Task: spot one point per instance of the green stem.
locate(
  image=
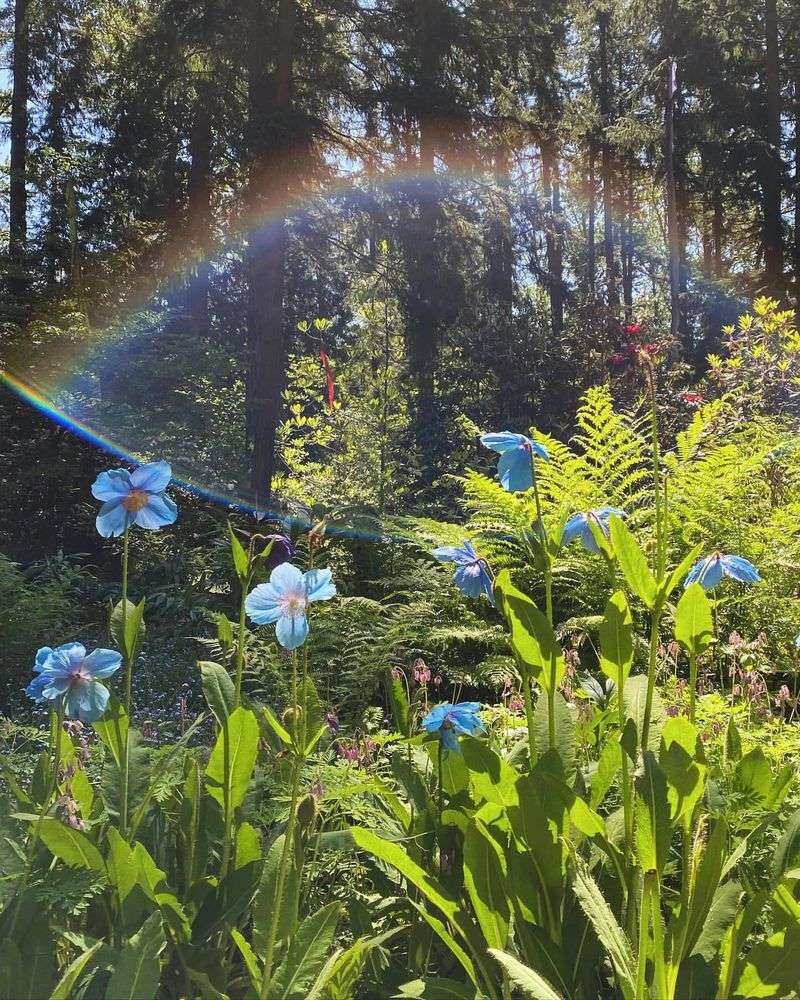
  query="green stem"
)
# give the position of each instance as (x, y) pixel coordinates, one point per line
(227, 817)
(661, 546)
(644, 927)
(269, 951)
(660, 988)
(548, 598)
(128, 698)
(237, 699)
(440, 793)
(651, 677)
(526, 697)
(692, 686)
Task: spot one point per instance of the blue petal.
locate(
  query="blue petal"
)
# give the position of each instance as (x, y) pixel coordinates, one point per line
(42, 657)
(434, 719)
(740, 569)
(468, 580)
(36, 688)
(55, 684)
(112, 485)
(157, 512)
(503, 440)
(449, 740)
(707, 572)
(574, 528)
(540, 450)
(103, 662)
(153, 477)
(514, 469)
(318, 585)
(261, 605)
(452, 553)
(113, 519)
(291, 632)
(286, 577)
(66, 657)
(86, 701)
(606, 512)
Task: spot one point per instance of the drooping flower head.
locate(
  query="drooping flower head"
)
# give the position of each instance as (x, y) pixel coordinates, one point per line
(517, 453)
(283, 550)
(137, 497)
(709, 572)
(69, 673)
(285, 599)
(472, 576)
(450, 721)
(580, 526)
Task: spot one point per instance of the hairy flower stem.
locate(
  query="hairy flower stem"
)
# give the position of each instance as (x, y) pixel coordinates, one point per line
(692, 686)
(644, 928)
(528, 700)
(440, 794)
(126, 659)
(660, 560)
(288, 843)
(548, 598)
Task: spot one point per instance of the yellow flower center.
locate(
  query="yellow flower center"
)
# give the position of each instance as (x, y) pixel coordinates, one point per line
(135, 500)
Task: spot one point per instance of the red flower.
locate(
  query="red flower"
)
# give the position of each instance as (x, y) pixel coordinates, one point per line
(650, 348)
(693, 398)
(618, 358)
(632, 329)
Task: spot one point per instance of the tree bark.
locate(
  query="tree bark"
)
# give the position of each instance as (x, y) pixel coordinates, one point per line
(673, 236)
(607, 166)
(18, 198)
(771, 185)
(591, 235)
(270, 105)
(796, 241)
(500, 258)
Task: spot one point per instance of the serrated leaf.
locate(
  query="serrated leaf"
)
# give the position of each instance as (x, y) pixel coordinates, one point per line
(241, 731)
(306, 955)
(616, 640)
(532, 637)
(527, 981)
(218, 689)
(70, 845)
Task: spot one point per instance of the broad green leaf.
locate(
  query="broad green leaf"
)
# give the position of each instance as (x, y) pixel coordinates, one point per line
(28, 967)
(398, 858)
(532, 637)
(611, 935)
(241, 562)
(224, 905)
(70, 845)
(440, 929)
(398, 701)
(241, 729)
(565, 730)
(681, 761)
(719, 918)
(129, 642)
(754, 777)
(218, 689)
(250, 960)
(529, 983)
(733, 743)
(435, 988)
(787, 850)
(73, 972)
(137, 973)
(491, 779)
(113, 729)
(484, 879)
(694, 623)
(653, 828)
(248, 845)
(772, 967)
(266, 908)
(608, 764)
(632, 562)
(708, 863)
(616, 640)
(307, 952)
(340, 975)
(277, 727)
(635, 699)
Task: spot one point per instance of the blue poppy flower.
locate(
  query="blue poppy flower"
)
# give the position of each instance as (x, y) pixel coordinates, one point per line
(68, 672)
(136, 497)
(472, 576)
(516, 454)
(284, 600)
(709, 572)
(580, 526)
(451, 720)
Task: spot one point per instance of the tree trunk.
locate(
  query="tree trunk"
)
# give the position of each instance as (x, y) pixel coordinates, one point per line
(18, 199)
(591, 236)
(551, 184)
(626, 247)
(796, 242)
(673, 236)
(607, 167)
(717, 226)
(270, 100)
(199, 213)
(771, 187)
(500, 258)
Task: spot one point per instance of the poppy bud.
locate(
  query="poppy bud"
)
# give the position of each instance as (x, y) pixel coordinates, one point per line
(306, 811)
